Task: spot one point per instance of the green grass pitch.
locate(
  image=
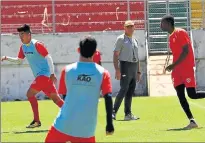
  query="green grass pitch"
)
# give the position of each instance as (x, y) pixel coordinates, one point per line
(158, 115)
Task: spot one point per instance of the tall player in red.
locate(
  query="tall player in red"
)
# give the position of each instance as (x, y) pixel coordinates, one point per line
(183, 66)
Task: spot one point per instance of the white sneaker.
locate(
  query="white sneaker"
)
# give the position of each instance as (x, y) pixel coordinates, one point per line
(130, 116)
(191, 125)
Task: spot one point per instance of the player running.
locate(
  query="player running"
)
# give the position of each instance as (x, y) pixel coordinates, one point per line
(82, 82)
(183, 66)
(42, 67)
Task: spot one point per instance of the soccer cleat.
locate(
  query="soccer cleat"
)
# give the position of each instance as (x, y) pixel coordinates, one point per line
(34, 124)
(191, 125)
(113, 116)
(130, 116)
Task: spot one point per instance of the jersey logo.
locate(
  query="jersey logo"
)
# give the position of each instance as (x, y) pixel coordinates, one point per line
(84, 77)
(188, 80)
(29, 53)
(174, 40)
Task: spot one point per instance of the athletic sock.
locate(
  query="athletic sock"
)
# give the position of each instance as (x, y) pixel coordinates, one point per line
(60, 103)
(34, 105)
(193, 121)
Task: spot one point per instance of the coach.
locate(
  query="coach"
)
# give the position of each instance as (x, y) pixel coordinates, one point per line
(127, 69)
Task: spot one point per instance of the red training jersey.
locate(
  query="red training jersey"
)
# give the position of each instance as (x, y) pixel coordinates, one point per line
(177, 40)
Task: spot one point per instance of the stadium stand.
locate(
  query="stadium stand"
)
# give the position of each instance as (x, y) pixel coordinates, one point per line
(197, 13)
(70, 16)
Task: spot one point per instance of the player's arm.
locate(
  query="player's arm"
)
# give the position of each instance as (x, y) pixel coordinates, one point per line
(42, 50)
(17, 60)
(107, 92)
(138, 67)
(62, 86)
(185, 47)
(100, 63)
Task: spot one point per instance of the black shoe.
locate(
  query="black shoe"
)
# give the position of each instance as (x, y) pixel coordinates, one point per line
(34, 124)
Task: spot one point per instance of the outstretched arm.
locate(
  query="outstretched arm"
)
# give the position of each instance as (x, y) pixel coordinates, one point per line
(12, 59)
(17, 60)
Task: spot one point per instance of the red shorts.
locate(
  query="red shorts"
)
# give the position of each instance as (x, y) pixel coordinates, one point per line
(184, 76)
(58, 137)
(43, 83)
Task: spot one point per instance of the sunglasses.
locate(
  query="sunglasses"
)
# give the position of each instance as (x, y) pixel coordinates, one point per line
(130, 26)
(22, 33)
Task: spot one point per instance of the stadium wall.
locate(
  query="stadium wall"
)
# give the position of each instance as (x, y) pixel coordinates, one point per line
(199, 47)
(16, 79)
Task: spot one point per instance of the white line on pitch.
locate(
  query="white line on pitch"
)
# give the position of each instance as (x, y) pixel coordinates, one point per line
(197, 105)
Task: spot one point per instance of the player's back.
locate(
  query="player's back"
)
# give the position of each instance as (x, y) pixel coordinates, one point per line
(78, 116)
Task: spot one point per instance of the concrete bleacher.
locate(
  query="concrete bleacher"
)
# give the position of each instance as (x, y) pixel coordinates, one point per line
(197, 13)
(70, 16)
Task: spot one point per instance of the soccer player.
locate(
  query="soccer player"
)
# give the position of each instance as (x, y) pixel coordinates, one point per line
(42, 67)
(183, 66)
(82, 82)
(96, 59)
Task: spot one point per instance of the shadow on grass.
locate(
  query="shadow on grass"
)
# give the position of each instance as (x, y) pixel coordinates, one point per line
(127, 120)
(29, 132)
(183, 129)
(4, 132)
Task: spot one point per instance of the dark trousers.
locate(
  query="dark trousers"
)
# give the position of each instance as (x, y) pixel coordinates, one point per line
(127, 86)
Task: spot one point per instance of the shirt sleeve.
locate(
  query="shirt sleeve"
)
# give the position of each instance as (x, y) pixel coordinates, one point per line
(118, 45)
(97, 57)
(21, 54)
(184, 38)
(41, 49)
(62, 86)
(106, 83)
(78, 50)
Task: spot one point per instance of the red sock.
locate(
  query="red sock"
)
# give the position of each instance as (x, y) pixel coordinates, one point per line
(34, 105)
(60, 103)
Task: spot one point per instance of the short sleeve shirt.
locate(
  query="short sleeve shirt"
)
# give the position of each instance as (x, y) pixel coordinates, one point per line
(128, 48)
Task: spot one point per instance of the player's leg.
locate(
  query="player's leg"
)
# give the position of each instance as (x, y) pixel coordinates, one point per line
(128, 101)
(54, 136)
(33, 90)
(180, 89)
(190, 83)
(56, 99)
(191, 91)
(179, 84)
(52, 93)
